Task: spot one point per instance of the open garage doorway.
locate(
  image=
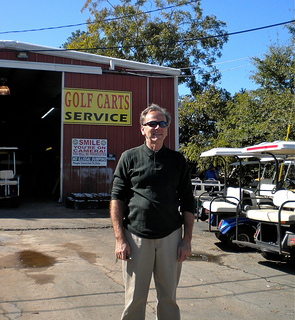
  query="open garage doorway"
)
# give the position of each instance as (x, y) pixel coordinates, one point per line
(25, 125)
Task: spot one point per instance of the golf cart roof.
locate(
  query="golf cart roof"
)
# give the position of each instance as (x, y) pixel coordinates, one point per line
(5, 150)
(276, 148)
(230, 152)
(244, 163)
(8, 148)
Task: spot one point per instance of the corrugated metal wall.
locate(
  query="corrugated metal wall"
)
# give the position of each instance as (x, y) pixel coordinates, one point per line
(145, 90)
(119, 138)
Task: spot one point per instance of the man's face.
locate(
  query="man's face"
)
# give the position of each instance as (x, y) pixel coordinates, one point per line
(157, 134)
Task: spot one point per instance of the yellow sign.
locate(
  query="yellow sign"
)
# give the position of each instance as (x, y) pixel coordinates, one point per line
(97, 107)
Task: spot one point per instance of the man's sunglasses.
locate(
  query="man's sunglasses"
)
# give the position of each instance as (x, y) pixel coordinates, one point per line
(153, 124)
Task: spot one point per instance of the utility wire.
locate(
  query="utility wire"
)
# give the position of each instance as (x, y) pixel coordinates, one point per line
(176, 42)
(168, 43)
(221, 62)
(149, 44)
(220, 71)
(134, 72)
(147, 12)
(92, 22)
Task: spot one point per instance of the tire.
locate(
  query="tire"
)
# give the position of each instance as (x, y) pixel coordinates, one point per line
(272, 256)
(221, 237)
(245, 234)
(278, 257)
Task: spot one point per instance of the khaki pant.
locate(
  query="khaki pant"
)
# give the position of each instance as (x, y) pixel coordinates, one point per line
(157, 257)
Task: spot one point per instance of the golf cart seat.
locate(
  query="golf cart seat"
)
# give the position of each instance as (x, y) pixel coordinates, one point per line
(224, 206)
(200, 187)
(285, 202)
(229, 203)
(266, 189)
(7, 179)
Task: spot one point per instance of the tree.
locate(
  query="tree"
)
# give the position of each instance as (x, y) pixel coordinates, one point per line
(174, 34)
(275, 72)
(215, 119)
(198, 118)
(263, 114)
(276, 77)
(244, 123)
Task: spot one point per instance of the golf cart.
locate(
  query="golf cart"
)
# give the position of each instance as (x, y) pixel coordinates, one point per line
(275, 235)
(220, 208)
(9, 181)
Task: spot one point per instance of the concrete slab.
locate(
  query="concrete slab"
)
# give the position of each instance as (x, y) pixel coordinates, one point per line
(79, 278)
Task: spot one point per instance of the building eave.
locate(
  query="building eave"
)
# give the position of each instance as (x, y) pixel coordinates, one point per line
(71, 54)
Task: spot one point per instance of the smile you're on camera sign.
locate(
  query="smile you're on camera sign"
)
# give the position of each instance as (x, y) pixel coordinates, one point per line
(89, 152)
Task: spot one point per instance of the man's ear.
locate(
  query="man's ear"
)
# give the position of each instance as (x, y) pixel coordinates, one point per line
(142, 130)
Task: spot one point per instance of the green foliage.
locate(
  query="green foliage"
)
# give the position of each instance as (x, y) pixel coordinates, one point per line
(215, 119)
(256, 116)
(276, 77)
(242, 125)
(198, 120)
(176, 37)
(275, 72)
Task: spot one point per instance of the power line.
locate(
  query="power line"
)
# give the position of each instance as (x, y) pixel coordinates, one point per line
(151, 44)
(147, 12)
(92, 22)
(47, 28)
(220, 71)
(261, 28)
(240, 32)
(222, 62)
(168, 43)
(188, 75)
(190, 40)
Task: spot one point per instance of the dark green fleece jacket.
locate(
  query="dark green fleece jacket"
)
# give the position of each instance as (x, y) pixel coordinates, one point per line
(154, 185)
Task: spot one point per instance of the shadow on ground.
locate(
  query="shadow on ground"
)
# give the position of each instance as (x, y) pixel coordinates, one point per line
(46, 209)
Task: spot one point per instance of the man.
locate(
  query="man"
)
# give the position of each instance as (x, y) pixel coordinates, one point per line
(211, 173)
(150, 183)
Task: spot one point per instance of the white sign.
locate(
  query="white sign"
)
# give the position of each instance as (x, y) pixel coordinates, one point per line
(89, 152)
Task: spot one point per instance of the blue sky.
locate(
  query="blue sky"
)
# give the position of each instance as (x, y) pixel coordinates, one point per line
(235, 63)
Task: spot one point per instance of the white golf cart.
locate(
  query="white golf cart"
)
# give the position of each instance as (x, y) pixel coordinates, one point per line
(220, 208)
(9, 181)
(275, 235)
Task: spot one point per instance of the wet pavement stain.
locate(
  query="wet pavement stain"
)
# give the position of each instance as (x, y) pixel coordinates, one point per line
(26, 259)
(33, 259)
(199, 256)
(88, 256)
(42, 278)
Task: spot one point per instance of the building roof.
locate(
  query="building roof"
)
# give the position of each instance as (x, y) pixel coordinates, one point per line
(71, 54)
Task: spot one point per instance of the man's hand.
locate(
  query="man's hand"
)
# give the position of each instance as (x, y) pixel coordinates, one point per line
(184, 247)
(122, 250)
(184, 250)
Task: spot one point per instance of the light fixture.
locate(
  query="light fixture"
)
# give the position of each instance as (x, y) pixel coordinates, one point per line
(47, 113)
(4, 90)
(22, 55)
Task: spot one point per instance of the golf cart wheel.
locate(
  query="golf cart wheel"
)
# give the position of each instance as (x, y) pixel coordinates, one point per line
(245, 234)
(273, 256)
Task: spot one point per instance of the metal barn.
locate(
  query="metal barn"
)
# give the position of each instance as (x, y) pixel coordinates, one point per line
(72, 114)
